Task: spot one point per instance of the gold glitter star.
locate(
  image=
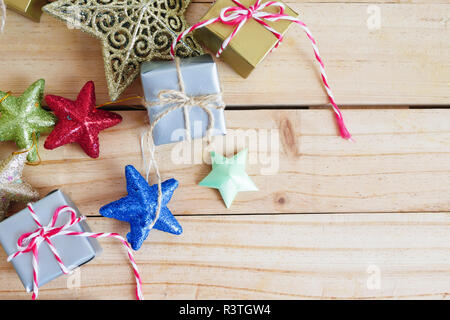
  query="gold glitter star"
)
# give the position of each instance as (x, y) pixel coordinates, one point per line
(12, 186)
(131, 32)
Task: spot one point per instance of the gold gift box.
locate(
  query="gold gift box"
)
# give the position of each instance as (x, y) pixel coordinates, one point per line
(31, 9)
(250, 45)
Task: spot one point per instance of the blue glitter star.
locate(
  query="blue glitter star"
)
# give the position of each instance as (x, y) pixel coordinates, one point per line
(138, 208)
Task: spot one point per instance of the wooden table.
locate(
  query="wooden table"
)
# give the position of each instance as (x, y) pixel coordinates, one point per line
(333, 220)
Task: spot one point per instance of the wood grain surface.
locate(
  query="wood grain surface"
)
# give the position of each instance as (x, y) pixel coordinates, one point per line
(332, 219)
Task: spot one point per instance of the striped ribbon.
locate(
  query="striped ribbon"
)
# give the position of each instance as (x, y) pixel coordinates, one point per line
(30, 242)
(238, 15)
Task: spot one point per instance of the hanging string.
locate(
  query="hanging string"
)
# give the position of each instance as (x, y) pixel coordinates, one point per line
(180, 100)
(121, 100)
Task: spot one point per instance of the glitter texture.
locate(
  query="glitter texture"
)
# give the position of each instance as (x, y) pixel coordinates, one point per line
(229, 176)
(79, 121)
(131, 32)
(23, 116)
(12, 186)
(138, 208)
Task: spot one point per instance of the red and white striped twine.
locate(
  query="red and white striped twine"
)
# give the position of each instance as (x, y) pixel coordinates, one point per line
(30, 242)
(2, 15)
(238, 16)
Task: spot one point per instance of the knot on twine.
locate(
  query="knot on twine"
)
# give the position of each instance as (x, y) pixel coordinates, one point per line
(238, 16)
(30, 242)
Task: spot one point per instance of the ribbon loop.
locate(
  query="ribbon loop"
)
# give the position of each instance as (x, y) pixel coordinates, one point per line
(2, 15)
(174, 96)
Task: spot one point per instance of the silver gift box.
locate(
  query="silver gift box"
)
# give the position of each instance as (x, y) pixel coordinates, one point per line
(200, 78)
(74, 251)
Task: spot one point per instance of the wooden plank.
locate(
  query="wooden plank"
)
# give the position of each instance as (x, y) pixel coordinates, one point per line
(405, 62)
(400, 162)
(268, 257)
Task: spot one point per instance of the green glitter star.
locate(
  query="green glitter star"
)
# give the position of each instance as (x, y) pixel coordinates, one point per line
(229, 176)
(23, 116)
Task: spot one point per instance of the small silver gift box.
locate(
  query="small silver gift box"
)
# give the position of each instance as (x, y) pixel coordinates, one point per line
(200, 78)
(74, 251)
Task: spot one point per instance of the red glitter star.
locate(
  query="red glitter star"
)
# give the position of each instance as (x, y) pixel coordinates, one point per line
(79, 121)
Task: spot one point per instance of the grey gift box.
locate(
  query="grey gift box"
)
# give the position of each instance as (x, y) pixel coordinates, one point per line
(74, 251)
(200, 78)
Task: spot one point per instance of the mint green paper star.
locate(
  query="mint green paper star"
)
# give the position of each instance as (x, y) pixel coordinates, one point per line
(229, 176)
(23, 117)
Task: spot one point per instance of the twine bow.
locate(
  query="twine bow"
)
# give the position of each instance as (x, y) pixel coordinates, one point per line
(2, 15)
(31, 241)
(238, 15)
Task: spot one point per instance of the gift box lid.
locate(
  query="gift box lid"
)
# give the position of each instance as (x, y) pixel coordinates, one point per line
(74, 251)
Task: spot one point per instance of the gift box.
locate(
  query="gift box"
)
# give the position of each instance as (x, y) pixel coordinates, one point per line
(31, 9)
(250, 45)
(74, 251)
(200, 78)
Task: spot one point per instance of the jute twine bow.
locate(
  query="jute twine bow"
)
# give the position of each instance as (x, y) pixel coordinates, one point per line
(179, 100)
(2, 16)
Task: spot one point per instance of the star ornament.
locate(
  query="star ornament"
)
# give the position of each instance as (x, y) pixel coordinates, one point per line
(79, 121)
(139, 207)
(131, 32)
(12, 186)
(229, 176)
(23, 119)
